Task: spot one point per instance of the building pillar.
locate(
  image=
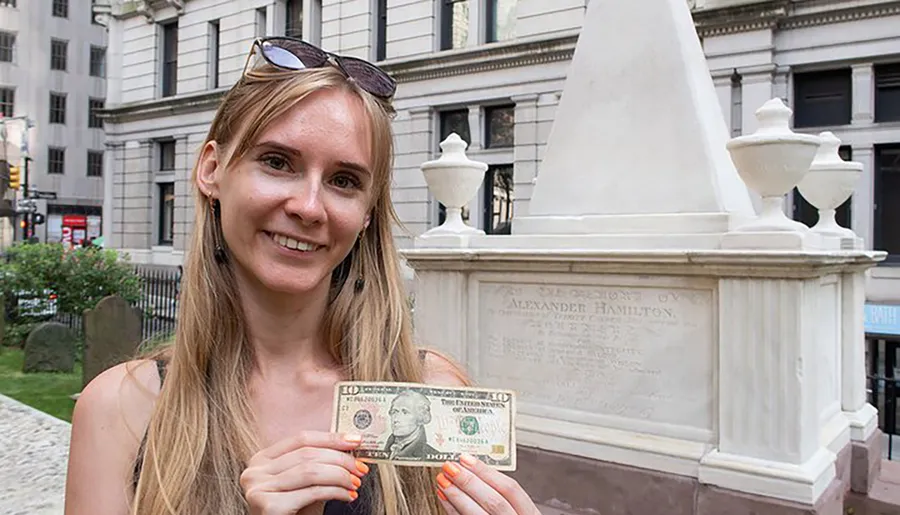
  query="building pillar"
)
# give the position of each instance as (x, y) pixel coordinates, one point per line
(862, 206)
(525, 162)
(863, 94)
(757, 87)
(722, 82)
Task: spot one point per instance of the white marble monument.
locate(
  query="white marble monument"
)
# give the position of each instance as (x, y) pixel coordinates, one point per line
(647, 316)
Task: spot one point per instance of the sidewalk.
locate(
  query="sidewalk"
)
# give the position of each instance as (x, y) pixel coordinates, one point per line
(34, 448)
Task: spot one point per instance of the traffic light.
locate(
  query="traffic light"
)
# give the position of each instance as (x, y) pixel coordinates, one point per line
(37, 219)
(15, 178)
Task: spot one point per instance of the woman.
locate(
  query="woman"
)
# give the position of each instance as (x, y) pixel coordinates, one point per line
(291, 284)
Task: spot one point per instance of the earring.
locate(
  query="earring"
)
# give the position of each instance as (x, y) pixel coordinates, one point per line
(219, 252)
(360, 281)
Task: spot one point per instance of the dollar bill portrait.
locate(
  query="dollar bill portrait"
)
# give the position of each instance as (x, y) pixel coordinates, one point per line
(410, 412)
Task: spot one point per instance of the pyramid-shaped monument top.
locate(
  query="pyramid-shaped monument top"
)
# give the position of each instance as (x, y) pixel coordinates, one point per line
(638, 142)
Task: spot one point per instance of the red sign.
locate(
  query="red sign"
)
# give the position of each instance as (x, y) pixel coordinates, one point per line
(74, 221)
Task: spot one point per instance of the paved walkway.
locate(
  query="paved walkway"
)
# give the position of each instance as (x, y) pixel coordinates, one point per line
(34, 448)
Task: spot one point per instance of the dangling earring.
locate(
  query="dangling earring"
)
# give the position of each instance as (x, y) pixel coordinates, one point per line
(360, 281)
(219, 252)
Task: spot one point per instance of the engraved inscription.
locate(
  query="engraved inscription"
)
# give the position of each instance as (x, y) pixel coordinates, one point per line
(636, 352)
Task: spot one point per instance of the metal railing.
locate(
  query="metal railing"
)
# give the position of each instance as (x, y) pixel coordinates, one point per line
(160, 292)
(884, 385)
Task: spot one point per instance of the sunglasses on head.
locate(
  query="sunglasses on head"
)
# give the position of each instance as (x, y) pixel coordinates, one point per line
(295, 54)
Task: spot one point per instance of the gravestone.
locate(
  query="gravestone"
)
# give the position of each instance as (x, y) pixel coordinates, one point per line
(49, 348)
(112, 334)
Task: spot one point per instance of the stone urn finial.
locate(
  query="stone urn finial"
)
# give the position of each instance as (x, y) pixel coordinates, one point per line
(771, 161)
(829, 183)
(454, 180)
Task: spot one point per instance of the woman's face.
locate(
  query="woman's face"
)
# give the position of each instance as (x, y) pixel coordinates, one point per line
(294, 205)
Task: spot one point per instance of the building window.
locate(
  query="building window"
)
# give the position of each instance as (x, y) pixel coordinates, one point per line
(166, 212)
(98, 61)
(499, 126)
(381, 30)
(56, 160)
(7, 102)
(7, 45)
(822, 98)
(456, 121)
(737, 104)
(7, 3)
(887, 92)
(166, 156)
(454, 23)
(95, 163)
(58, 54)
(501, 20)
(94, 121)
(498, 200)
(293, 26)
(170, 59)
(61, 8)
(261, 22)
(58, 108)
(887, 200)
(213, 49)
(807, 214)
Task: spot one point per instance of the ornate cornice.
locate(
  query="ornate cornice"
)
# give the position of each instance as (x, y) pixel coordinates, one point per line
(171, 106)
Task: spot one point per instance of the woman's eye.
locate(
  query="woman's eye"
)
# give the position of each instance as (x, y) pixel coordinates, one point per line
(275, 162)
(345, 181)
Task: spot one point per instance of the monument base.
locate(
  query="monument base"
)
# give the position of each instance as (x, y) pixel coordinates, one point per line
(865, 462)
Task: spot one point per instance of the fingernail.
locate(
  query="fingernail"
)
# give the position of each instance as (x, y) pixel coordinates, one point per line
(362, 467)
(451, 469)
(353, 495)
(467, 460)
(443, 481)
(442, 496)
(353, 438)
(356, 481)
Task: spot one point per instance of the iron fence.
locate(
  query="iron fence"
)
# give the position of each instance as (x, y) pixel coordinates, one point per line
(158, 303)
(884, 385)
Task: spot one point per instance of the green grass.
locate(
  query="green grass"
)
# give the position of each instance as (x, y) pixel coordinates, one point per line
(48, 392)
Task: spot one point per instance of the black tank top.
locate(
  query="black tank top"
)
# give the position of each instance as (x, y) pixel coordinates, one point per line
(361, 506)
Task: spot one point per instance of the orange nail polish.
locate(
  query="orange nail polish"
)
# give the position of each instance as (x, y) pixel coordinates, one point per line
(356, 481)
(442, 495)
(451, 469)
(353, 495)
(443, 481)
(362, 467)
(353, 438)
(467, 460)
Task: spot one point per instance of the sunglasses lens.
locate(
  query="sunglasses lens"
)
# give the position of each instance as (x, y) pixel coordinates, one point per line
(291, 55)
(369, 76)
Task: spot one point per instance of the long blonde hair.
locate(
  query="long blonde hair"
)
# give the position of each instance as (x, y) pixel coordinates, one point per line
(202, 430)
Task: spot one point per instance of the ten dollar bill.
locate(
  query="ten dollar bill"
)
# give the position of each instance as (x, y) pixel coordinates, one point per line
(420, 425)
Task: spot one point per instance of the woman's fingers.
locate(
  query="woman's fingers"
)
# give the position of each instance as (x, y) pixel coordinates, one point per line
(305, 475)
(290, 502)
(458, 499)
(506, 486)
(445, 503)
(317, 455)
(461, 485)
(338, 442)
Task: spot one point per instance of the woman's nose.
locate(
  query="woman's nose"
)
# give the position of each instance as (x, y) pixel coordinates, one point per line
(306, 202)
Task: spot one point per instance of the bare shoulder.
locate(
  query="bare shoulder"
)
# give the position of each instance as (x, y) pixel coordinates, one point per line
(108, 423)
(441, 370)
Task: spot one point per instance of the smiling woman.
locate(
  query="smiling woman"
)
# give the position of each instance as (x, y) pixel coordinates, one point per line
(292, 283)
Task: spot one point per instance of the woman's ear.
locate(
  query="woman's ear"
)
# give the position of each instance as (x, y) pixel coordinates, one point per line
(209, 170)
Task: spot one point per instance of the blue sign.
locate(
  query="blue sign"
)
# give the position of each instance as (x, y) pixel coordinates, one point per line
(883, 319)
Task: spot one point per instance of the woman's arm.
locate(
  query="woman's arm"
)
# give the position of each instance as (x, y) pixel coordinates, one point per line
(108, 424)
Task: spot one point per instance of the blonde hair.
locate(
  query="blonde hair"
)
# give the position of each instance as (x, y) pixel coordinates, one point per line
(201, 433)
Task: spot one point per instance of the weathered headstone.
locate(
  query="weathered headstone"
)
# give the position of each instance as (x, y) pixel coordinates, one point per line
(49, 348)
(112, 334)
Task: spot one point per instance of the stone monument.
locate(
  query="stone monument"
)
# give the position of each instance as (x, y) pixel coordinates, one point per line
(112, 334)
(50, 347)
(656, 327)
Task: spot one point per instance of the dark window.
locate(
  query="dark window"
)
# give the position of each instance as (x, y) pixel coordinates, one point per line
(7, 102)
(293, 26)
(170, 59)
(214, 54)
(56, 160)
(737, 104)
(7, 3)
(805, 212)
(887, 92)
(500, 125)
(822, 98)
(95, 163)
(498, 200)
(381, 30)
(454, 23)
(455, 121)
(61, 8)
(501, 20)
(94, 121)
(7, 45)
(166, 212)
(166, 156)
(58, 54)
(887, 200)
(58, 108)
(98, 61)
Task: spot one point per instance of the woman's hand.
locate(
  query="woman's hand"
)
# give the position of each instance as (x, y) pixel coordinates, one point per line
(476, 489)
(301, 471)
